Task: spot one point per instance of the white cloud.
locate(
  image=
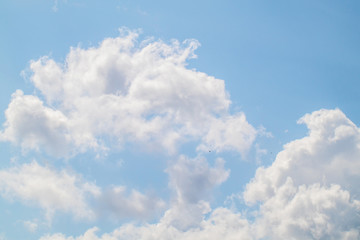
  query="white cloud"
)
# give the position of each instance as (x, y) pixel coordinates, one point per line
(46, 188)
(329, 154)
(34, 126)
(229, 133)
(130, 92)
(117, 203)
(31, 226)
(53, 191)
(309, 212)
(309, 192)
(88, 235)
(192, 181)
(222, 224)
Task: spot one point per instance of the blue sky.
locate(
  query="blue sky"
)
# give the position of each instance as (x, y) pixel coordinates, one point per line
(179, 120)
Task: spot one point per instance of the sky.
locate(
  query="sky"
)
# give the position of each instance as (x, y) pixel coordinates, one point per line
(179, 119)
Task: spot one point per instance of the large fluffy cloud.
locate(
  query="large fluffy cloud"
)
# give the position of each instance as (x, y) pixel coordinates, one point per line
(125, 91)
(309, 192)
(330, 154)
(309, 212)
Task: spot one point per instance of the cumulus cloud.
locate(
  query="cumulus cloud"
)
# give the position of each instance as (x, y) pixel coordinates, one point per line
(309, 212)
(34, 126)
(130, 92)
(48, 189)
(118, 203)
(309, 192)
(53, 191)
(222, 224)
(192, 181)
(126, 91)
(329, 154)
(229, 133)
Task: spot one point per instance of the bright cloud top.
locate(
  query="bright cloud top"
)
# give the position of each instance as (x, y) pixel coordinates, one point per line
(329, 155)
(310, 191)
(125, 91)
